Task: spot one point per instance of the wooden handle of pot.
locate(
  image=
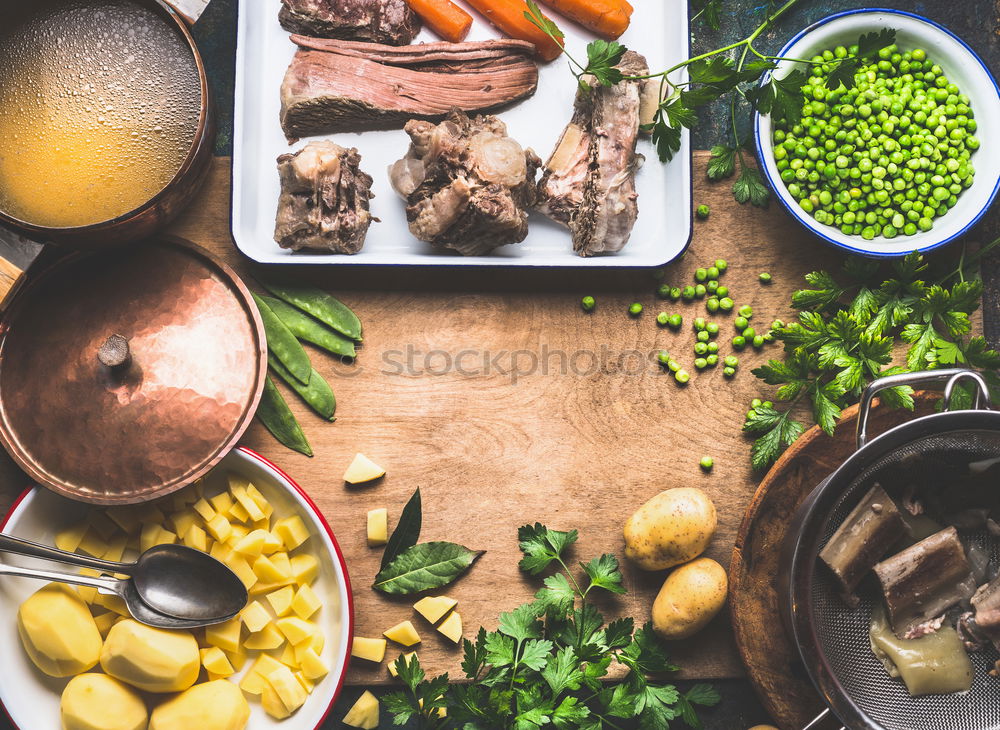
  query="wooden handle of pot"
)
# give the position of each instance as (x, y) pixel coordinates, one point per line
(10, 279)
(190, 10)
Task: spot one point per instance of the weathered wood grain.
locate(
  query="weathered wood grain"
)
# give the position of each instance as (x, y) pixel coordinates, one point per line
(497, 443)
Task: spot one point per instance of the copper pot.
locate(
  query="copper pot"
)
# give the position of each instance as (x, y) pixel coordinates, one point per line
(156, 213)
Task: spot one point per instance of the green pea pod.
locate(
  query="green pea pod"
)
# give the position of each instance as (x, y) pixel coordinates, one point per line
(282, 343)
(317, 393)
(278, 418)
(311, 330)
(322, 306)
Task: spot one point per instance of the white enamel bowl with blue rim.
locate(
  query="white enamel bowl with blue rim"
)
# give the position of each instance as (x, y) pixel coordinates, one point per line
(960, 64)
(31, 699)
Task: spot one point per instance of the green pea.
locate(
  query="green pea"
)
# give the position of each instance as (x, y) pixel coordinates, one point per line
(663, 357)
(741, 323)
(682, 376)
(663, 319)
(702, 212)
(731, 361)
(728, 372)
(765, 278)
(725, 304)
(701, 275)
(712, 328)
(703, 336)
(712, 360)
(706, 463)
(700, 348)
(746, 311)
(588, 304)
(739, 342)
(712, 304)
(635, 309)
(675, 321)
(699, 324)
(700, 363)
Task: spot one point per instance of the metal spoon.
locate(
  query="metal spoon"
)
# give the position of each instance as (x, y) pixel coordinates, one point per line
(169, 581)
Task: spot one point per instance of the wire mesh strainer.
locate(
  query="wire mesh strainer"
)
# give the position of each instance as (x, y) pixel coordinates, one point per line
(832, 637)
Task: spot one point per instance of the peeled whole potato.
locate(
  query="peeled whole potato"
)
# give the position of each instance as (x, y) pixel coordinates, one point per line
(151, 659)
(99, 702)
(58, 631)
(672, 528)
(690, 597)
(218, 705)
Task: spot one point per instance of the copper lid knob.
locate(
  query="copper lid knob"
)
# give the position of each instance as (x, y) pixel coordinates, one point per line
(115, 353)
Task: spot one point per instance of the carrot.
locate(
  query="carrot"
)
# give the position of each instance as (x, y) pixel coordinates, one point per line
(607, 18)
(444, 18)
(509, 17)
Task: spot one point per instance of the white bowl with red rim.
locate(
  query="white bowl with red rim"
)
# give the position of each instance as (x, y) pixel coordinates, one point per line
(31, 699)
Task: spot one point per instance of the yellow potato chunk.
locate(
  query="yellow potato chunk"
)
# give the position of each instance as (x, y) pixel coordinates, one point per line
(216, 662)
(204, 508)
(246, 502)
(242, 569)
(371, 649)
(254, 680)
(296, 630)
(378, 527)
(103, 524)
(125, 518)
(237, 658)
(238, 512)
(305, 567)
(433, 608)
(98, 702)
(452, 627)
(219, 528)
(184, 521)
(151, 659)
(288, 657)
(105, 621)
(238, 533)
(292, 531)
(116, 548)
(196, 538)
(255, 616)
(222, 502)
(362, 470)
(252, 545)
(288, 689)
(281, 600)
(266, 639)
(217, 705)
(111, 603)
(269, 570)
(58, 632)
(306, 602)
(407, 657)
(272, 543)
(70, 538)
(364, 713)
(92, 544)
(312, 666)
(260, 500)
(403, 633)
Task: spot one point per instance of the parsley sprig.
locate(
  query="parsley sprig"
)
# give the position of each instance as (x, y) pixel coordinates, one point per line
(546, 663)
(863, 325)
(734, 71)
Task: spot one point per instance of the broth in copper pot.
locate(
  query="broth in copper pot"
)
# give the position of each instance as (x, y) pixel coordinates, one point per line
(100, 102)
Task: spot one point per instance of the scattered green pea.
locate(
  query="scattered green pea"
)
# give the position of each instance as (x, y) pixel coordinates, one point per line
(700, 291)
(713, 272)
(702, 212)
(663, 291)
(700, 363)
(713, 347)
(739, 342)
(722, 291)
(706, 463)
(701, 275)
(703, 336)
(712, 360)
(728, 372)
(663, 356)
(746, 311)
(731, 361)
(756, 403)
(700, 348)
(741, 323)
(673, 366)
(712, 328)
(588, 304)
(749, 333)
(758, 341)
(765, 278)
(675, 321)
(663, 319)
(687, 293)
(675, 293)
(682, 376)
(721, 264)
(699, 324)
(635, 309)
(712, 286)
(712, 305)
(725, 304)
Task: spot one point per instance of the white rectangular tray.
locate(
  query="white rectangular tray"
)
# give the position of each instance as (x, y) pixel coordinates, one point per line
(659, 30)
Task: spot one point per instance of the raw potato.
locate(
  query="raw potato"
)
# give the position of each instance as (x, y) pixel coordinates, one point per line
(58, 632)
(452, 627)
(371, 649)
(433, 608)
(99, 702)
(672, 528)
(364, 713)
(362, 470)
(217, 705)
(151, 659)
(403, 633)
(378, 527)
(690, 597)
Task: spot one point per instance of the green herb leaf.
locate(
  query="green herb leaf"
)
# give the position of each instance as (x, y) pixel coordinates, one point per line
(557, 596)
(522, 623)
(604, 573)
(777, 430)
(425, 566)
(722, 162)
(603, 58)
(407, 530)
(749, 187)
(541, 546)
(562, 671)
(537, 18)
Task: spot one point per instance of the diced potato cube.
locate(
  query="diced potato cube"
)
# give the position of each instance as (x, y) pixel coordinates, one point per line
(312, 666)
(196, 538)
(252, 544)
(70, 538)
(272, 543)
(364, 714)
(204, 508)
(237, 658)
(281, 600)
(307, 684)
(125, 517)
(452, 627)
(290, 692)
(305, 567)
(246, 502)
(270, 569)
(371, 649)
(288, 657)
(111, 603)
(406, 658)
(292, 531)
(272, 704)
(226, 635)
(403, 633)
(254, 682)
(306, 602)
(103, 524)
(116, 548)
(220, 551)
(362, 470)
(260, 500)
(184, 521)
(378, 527)
(433, 608)
(105, 621)
(295, 629)
(216, 662)
(219, 528)
(237, 533)
(222, 502)
(266, 639)
(238, 512)
(242, 569)
(92, 544)
(316, 645)
(255, 617)
(261, 588)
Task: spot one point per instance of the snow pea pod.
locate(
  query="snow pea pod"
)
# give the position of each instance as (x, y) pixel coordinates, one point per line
(278, 418)
(309, 329)
(282, 343)
(322, 306)
(317, 393)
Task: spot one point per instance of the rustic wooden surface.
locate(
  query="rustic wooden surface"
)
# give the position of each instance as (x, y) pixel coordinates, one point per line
(495, 447)
(772, 661)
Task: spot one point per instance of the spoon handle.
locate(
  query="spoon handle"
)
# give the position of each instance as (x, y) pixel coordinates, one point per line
(106, 582)
(11, 544)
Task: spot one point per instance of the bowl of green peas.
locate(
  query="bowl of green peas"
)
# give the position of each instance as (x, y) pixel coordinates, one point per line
(898, 159)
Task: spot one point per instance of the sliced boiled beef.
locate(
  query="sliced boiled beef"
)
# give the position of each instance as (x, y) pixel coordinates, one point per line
(381, 21)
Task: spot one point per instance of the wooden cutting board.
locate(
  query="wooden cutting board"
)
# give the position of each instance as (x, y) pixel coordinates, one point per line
(506, 404)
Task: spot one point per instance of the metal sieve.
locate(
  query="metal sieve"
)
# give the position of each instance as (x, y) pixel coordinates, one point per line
(832, 637)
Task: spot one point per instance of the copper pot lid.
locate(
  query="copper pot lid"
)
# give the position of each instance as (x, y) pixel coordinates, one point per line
(126, 374)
